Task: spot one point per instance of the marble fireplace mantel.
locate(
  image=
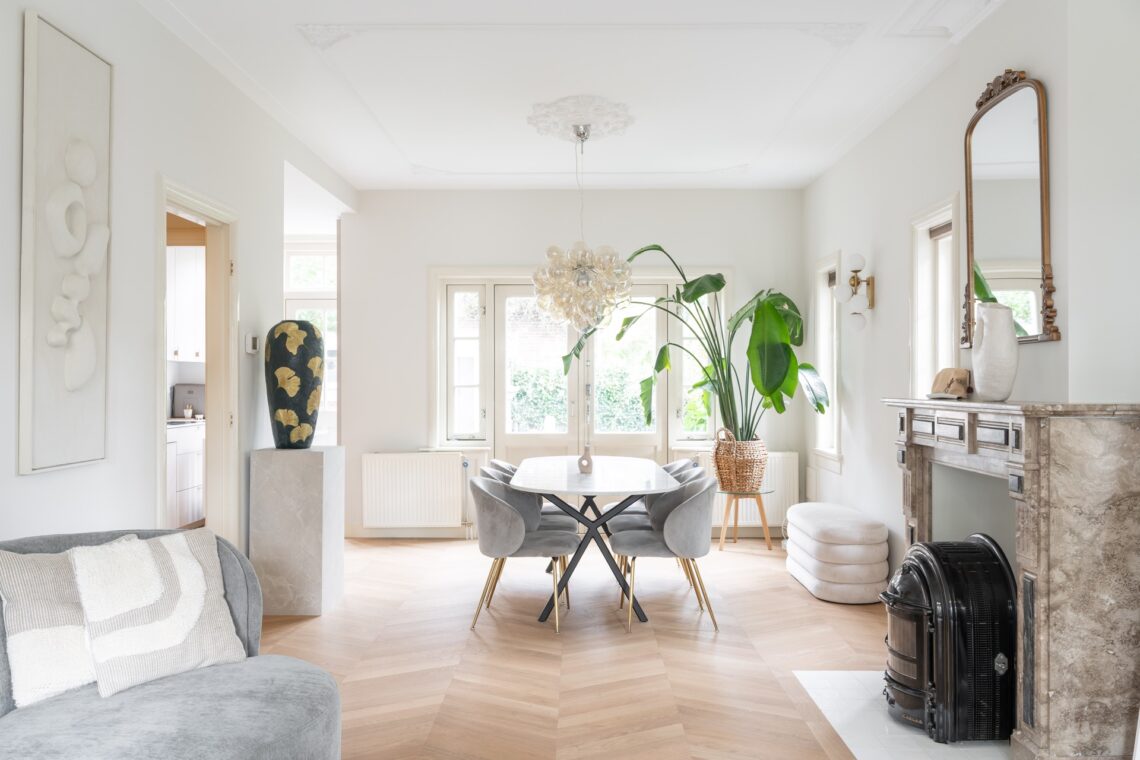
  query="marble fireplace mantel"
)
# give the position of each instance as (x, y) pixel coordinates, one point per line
(1074, 475)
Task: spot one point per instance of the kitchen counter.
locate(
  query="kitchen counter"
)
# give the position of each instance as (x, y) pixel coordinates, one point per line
(179, 422)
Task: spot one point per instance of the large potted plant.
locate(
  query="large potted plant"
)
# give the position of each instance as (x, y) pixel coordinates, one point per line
(775, 327)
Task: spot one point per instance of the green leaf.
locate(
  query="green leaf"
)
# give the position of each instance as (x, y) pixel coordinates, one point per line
(647, 397)
(694, 290)
(791, 314)
(791, 381)
(629, 322)
(745, 312)
(662, 364)
(706, 400)
(576, 351)
(982, 290)
(769, 353)
(814, 389)
(659, 249)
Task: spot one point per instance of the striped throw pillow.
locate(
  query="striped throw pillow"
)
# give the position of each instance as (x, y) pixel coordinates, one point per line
(154, 608)
(43, 620)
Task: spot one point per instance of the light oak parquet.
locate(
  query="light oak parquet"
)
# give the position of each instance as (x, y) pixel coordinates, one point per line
(416, 682)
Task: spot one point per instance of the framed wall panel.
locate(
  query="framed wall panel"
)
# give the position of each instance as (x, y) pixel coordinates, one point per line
(65, 245)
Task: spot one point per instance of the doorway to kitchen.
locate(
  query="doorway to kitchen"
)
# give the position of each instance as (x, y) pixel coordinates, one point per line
(198, 476)
(185, 372)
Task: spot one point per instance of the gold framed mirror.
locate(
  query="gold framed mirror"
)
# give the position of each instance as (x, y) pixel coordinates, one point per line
(1007, 208)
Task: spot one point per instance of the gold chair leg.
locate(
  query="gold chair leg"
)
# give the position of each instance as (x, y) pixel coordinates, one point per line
(692, 584)
(632, 575)
(495, 581)
(621, 591)
(486, 587)
(562, 570)
(555, 573)
(705, 593)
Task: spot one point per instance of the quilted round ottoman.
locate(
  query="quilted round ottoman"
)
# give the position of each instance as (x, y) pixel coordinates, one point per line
(837, 553)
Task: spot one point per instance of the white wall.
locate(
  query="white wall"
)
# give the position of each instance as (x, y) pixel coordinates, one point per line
(1103, 197)
(387, 248)
(866, 203)
(173, 116)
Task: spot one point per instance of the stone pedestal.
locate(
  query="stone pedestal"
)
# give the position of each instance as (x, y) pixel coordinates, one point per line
(296, 528)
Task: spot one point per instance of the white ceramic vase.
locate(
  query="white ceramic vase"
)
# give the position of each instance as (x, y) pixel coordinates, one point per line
(995, 352)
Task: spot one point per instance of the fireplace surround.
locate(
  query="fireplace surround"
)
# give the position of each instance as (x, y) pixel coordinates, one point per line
(1073, 473)
(951, 640)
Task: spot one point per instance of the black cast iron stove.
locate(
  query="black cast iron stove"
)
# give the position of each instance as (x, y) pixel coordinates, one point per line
(952, 639)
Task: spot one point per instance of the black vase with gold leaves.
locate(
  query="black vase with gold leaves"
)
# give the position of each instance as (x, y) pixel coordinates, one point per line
(294, 374)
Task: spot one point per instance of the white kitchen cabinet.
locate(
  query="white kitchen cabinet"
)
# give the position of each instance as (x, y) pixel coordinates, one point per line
(186, 303)
(170, 517)
(185, 473)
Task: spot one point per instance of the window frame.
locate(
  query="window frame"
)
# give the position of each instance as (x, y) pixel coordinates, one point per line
(450, 290)
(826, 338)
(941, 295)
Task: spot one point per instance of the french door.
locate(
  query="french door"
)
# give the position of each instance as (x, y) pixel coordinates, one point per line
(542, 411)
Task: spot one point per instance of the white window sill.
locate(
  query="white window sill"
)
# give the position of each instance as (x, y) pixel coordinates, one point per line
(827, 459)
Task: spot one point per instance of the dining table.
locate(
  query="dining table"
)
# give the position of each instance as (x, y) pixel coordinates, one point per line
(628, 479)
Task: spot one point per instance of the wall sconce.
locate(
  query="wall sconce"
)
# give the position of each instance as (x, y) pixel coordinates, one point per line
(858, 294)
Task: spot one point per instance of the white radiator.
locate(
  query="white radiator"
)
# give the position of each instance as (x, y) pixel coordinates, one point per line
(423, 489)
(782, 476)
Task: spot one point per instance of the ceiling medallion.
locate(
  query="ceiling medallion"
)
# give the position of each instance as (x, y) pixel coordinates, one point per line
(558, 118)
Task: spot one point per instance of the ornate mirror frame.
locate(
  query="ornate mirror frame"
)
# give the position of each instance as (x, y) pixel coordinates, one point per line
(996, 91)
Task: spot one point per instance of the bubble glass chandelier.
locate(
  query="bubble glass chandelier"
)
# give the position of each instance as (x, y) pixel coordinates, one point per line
(582, 286)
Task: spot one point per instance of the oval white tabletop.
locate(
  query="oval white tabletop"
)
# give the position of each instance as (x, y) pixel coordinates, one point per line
(612, 476)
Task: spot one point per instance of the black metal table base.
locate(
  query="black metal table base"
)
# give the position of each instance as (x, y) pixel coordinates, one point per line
(593, 534)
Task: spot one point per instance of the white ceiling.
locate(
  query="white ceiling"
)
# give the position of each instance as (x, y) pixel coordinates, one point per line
(724, 93)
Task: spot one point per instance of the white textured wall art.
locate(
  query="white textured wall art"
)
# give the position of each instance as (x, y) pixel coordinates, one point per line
(65, 240)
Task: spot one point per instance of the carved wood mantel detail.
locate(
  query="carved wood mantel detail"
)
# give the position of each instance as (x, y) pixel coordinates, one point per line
(1072, 475)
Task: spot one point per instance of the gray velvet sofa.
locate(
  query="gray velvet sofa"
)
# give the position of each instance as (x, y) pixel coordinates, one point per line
(265, 708)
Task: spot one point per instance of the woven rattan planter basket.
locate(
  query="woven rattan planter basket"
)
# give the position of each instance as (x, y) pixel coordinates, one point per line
(739, 464)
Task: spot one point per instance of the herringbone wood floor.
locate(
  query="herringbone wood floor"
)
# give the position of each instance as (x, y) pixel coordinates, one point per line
(416, 682)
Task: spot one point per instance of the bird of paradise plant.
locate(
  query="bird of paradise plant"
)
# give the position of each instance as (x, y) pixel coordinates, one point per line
(775, 327)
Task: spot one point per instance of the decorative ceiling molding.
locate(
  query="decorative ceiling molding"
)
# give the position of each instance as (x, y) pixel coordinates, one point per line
(837, 35)
(325, 36)
(951, 19)
(558, 118)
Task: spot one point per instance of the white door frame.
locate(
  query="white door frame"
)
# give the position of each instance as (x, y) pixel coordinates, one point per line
(223, 446)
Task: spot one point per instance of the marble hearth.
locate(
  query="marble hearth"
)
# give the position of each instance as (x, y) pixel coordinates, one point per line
(1074, 474)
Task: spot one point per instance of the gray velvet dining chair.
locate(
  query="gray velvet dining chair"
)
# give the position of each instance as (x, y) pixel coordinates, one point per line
(681, 529)
(640, 520)
(508, 527)
(510, 470)
(553, 518)
(673, 468)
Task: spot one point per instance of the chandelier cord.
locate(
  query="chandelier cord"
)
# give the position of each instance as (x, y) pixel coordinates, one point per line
(579, 160)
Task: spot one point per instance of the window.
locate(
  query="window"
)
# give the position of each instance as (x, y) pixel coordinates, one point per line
(499, 375)
(695, 409)
(535, 397)
(311, 295)
(934, 300)
(618, 369)
(826, 339)
(466, 313)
